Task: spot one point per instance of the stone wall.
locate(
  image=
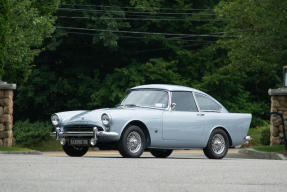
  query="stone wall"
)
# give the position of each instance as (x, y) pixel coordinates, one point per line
(278, 104)
(6, 114)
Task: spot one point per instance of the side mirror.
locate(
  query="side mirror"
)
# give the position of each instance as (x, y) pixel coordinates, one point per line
(173, 105)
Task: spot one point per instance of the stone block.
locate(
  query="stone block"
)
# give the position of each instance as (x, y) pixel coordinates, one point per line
(8, 94)
(275, 140)
(275, 104)
(281, 109)
(6, 118)
(8, 110)
(1, 142)
(281, 97)
(6, 102)
(275, 120)
(1, 110)
(2, 93)
(2, 134)
(282, 103)
(285, 114)
(280, 128)
(8, 142)
(6, 134)
(274, 131)
(8, 126)
(2, 127)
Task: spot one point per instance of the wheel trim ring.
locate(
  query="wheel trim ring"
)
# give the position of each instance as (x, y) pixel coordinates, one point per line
(218, 144)
(134, 143)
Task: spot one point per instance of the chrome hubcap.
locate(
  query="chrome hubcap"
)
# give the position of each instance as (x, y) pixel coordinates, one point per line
(134, 142)
(218, 144)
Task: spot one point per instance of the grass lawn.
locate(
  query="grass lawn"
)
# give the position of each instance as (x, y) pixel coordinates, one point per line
(267, 148)
(50, 145)
(14, 149)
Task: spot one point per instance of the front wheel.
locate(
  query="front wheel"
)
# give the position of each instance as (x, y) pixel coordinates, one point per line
(133, 142)
(217, 145)
(75, 151)
(161, 153)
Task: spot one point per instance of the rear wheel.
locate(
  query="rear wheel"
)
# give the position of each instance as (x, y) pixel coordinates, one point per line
(75, 151)
(161, 153)
(217, 146)
(133, 142)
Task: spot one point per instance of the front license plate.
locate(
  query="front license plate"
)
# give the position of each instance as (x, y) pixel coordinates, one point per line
(79, 142)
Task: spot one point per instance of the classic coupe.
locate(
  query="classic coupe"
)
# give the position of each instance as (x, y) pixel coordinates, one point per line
(156, 118)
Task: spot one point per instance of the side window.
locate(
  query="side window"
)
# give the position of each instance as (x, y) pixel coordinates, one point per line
(184, 101)
(206, 104)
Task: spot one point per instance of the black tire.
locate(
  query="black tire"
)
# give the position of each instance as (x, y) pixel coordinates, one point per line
(213, 153)
(130, 149)
(75, 151)
(161, 153)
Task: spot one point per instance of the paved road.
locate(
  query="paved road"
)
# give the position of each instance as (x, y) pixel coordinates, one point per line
(107, 171)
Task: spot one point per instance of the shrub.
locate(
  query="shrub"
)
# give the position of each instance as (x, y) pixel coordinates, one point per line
(31, 134)
(265, 136)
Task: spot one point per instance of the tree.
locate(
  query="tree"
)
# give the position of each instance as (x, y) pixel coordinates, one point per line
(3, 33)
(31, 22)
(259, 46)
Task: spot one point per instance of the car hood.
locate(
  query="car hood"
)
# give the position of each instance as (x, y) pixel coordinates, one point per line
(93, 117)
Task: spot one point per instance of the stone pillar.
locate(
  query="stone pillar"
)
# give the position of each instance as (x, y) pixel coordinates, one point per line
(6, 113)
(278, 104)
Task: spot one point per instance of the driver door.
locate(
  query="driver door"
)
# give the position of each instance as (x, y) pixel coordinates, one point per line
(184, 124)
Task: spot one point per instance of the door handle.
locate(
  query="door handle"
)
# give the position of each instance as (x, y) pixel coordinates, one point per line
(200, 114)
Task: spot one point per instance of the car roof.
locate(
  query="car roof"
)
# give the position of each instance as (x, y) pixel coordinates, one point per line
(167, 87)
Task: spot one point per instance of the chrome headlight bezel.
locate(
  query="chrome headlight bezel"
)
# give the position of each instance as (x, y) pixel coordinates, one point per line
(106, 119)
(55, 120)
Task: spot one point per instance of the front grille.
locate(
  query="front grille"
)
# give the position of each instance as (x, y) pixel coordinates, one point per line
(80, 128)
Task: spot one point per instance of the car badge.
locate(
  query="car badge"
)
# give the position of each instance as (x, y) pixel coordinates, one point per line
(83, 118)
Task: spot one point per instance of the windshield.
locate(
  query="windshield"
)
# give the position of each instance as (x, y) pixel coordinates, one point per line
(147, 98)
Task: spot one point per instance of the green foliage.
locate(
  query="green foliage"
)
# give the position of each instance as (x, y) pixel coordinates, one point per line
(259, 46)
(228, 87)
(31, 22)
(3, 33)
(265, 136)
(116, 84)
(260, 134)
(87, 72)
(31, 134)
(46, 93)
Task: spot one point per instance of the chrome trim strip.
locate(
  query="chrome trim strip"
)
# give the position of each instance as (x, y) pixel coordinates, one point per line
(110, 134)
(196, 103)
(87, 134)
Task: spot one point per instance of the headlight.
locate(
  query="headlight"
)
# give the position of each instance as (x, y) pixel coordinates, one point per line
(55, 120)
(106, 119)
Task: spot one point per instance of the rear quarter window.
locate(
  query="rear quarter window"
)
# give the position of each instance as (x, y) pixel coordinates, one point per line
(207, 104)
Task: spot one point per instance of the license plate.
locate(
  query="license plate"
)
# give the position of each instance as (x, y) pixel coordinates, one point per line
(79, 142)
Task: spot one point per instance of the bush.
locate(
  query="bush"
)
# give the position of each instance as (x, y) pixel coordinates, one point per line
(256, 133)
(265, 136)
(31, 134)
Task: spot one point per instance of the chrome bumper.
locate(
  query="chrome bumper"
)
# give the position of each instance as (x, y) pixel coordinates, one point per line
(60, 134)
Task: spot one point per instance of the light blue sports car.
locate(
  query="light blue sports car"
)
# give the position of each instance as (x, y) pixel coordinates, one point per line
(155, 118)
